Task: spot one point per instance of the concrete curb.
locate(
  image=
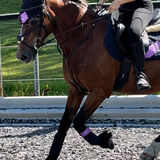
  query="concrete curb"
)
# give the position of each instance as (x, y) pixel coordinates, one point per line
(116, 107)
(99, 114)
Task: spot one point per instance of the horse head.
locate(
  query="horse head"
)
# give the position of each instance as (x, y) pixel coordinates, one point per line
(38, 19)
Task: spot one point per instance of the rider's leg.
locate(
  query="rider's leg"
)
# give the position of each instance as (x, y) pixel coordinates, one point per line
(137, 26)
(137, 52)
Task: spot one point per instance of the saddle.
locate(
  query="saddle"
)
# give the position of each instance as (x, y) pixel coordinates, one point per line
(115, 45)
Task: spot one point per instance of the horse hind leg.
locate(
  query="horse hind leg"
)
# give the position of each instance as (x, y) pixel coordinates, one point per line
(152, 151)
(73, 102)
(92, 102)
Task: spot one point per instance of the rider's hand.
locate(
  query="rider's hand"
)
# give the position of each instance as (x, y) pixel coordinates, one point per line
(114, 6)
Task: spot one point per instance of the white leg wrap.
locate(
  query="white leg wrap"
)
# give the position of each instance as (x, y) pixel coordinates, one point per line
(153, 149)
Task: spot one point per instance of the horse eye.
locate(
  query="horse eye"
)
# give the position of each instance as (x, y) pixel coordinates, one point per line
(33, 22)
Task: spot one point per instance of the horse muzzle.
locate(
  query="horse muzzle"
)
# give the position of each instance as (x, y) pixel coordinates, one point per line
(26, 56)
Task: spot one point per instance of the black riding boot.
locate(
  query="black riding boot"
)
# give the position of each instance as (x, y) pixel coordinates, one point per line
(142, 82)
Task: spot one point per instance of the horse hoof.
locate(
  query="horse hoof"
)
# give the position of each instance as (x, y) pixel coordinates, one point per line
(105, 140)
(145, 156)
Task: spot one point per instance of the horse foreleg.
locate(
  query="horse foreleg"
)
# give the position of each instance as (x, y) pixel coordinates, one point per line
(92, 102)
(152, 151)
(73, 102)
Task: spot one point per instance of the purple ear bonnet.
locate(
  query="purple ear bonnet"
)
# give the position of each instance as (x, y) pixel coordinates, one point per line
(24, 17)
(30, 9)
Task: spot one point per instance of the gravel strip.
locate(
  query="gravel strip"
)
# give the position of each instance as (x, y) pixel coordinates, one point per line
(33, 143)
(107, 122)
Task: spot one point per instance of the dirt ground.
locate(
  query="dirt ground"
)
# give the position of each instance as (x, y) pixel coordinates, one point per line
(33, 143)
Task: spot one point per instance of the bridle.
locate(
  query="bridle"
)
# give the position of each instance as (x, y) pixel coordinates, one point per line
(37, 45)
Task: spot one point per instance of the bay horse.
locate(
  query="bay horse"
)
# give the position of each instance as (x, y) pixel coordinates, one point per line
(88, 67)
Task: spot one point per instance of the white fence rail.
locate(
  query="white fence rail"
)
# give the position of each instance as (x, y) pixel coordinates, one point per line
(116, 107)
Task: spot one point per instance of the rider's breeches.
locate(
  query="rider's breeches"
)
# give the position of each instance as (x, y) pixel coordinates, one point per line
(136, 22)
(138, 25)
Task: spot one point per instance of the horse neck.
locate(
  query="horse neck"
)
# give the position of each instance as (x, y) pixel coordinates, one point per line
(68, 17)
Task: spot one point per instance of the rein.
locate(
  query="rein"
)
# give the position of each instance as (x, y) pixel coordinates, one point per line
(79, 45)
(72, 29)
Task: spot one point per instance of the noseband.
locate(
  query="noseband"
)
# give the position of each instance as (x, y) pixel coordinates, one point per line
(37, 45)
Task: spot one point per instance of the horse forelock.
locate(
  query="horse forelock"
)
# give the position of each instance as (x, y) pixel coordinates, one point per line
(32, 7)
(31, 3)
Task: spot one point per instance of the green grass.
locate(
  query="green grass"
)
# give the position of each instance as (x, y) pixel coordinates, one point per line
(9, 31)
(27, 88)
(50, 62)
(10, 6)
(50, 66)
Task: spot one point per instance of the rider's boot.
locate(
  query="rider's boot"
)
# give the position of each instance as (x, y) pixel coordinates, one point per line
(142, 81)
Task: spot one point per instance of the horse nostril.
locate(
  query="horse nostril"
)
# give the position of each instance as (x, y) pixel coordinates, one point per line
(24, 58)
